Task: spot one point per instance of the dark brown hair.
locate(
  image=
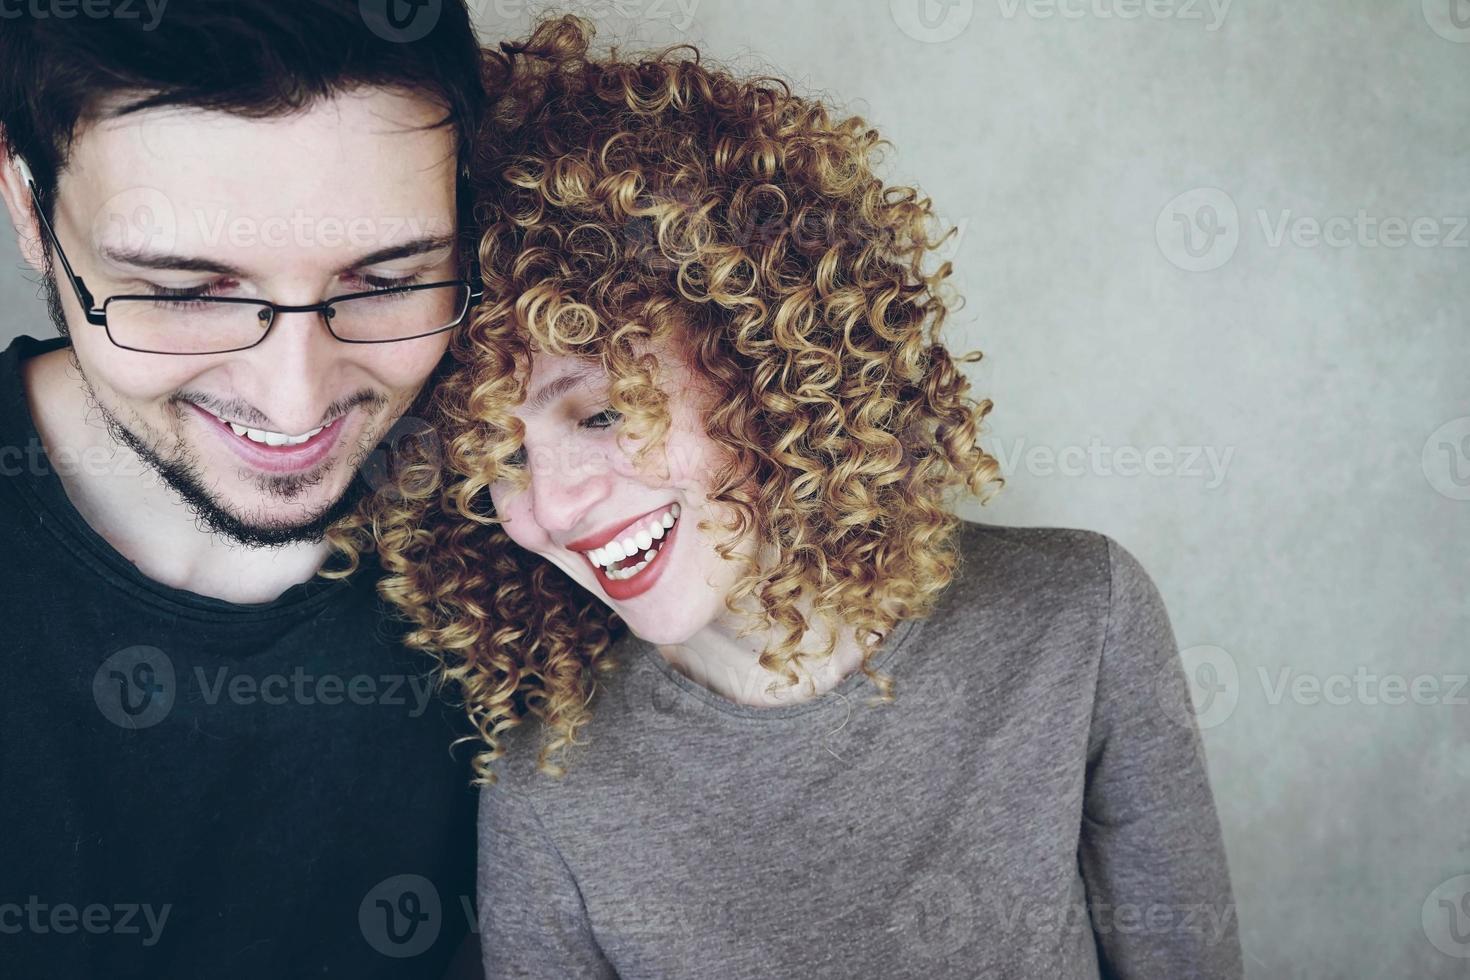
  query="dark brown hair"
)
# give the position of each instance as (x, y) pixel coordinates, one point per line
(250, 57)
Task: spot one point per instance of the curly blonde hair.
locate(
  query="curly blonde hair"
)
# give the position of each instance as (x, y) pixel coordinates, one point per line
(626, 202)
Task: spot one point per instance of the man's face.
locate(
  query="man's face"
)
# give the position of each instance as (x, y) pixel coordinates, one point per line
(354, 194)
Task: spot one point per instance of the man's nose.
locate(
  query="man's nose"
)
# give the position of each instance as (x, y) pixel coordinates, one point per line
(295, 367)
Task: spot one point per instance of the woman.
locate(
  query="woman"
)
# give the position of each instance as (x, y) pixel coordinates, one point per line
(755, 703)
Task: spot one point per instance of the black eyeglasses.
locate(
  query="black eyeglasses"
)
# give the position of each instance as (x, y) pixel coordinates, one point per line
(165, 323)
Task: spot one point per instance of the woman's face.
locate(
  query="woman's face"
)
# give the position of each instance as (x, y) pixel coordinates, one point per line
(629, 536)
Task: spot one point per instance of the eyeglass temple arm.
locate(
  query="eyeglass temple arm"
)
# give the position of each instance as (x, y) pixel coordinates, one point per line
(94, 316)
(98, 317)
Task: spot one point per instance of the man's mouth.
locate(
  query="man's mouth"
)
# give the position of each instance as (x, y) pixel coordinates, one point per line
(278, 452)
(269, 438)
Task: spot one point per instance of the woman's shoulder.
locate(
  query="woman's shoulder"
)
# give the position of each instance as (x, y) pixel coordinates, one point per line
(991, 556)
(1041, 572)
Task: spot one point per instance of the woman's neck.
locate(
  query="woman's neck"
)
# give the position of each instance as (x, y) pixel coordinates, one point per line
(719, 659)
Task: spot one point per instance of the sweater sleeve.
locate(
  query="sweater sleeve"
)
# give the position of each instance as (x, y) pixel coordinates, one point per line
(1151, 851)
(532, 920)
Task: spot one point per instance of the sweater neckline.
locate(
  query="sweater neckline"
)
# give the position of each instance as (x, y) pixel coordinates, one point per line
(841, 694)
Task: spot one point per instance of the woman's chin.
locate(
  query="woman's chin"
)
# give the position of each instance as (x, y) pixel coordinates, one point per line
(659, 632)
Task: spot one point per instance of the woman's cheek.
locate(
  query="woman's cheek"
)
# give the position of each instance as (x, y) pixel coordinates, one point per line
(692, 457)
(515, 508)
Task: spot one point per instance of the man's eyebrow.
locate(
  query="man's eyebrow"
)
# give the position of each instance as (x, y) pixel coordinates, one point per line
(553, 390)
(406, 250)
(164, 261)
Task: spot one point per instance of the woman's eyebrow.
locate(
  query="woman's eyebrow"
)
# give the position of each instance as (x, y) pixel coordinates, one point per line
(553, 390)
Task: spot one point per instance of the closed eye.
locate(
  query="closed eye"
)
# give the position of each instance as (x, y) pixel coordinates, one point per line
(605, 419)
(386, 283)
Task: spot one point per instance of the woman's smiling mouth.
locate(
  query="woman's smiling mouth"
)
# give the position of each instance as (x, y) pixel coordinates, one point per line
(627, 561)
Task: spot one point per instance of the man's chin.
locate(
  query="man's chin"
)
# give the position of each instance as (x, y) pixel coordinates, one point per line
(258, 529)
(247, 523)
(280, 512)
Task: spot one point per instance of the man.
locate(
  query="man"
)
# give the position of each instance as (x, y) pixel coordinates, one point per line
(214, 761)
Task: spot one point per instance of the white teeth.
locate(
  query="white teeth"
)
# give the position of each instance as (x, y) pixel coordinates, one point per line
(618, 574)
(640, 540)
(269, 438)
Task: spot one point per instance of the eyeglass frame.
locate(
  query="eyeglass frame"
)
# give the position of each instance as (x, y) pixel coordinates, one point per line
(97, 315)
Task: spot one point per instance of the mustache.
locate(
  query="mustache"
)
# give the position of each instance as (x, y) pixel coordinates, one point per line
(247, 414)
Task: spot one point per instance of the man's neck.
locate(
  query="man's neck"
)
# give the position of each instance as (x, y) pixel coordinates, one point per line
(125, 501)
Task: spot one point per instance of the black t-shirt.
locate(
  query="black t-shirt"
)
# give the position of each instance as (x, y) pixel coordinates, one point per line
(197, 789)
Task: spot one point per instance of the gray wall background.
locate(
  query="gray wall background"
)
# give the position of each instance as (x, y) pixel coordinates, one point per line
(1276, 423)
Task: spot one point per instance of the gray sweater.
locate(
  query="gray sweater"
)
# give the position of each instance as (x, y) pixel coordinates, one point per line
(1034, 804)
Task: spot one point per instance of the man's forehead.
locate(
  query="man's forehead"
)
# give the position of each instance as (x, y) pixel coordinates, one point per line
(349, 151)
(352, 176)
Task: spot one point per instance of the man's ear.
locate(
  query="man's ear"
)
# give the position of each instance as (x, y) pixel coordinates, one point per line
(18, 201)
